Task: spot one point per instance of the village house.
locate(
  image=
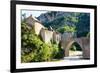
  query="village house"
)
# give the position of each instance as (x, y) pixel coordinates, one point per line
(35, 23)
(46, 35)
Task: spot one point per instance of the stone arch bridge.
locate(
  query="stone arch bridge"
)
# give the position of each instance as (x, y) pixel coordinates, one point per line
(84, 43)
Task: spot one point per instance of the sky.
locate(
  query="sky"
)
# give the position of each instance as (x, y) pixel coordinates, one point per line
(34, 13)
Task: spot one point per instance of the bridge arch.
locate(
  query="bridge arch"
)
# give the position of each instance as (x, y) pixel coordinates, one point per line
(69, 45)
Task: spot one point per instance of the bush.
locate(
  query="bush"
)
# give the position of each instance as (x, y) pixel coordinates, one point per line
(41, 51)
(58, 53)
(28, 57)
(45, 52)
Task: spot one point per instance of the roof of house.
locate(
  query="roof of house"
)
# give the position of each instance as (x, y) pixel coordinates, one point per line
(33, 18)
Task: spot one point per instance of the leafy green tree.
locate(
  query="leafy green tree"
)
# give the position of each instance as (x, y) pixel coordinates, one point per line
(66, 29)
(76, 47)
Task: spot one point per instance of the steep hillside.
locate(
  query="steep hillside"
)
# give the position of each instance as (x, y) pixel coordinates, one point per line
(80, 22)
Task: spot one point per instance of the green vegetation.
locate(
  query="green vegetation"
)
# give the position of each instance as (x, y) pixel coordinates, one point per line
(88, 34)
(76, 47)
(63, 21)
(35, 50)
(66, 29)
(58, 53)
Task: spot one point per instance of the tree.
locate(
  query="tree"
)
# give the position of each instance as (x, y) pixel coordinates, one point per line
(66, 29)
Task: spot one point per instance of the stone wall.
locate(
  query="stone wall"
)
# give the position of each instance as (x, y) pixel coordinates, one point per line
(86, 47)
(56, 37)
(33, 22)
(65, 38)
(46, 35)
(38, 27)
(30, 21)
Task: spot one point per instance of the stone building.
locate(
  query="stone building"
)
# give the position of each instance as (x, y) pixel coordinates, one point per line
(56, 37)
(46, 35)
(35, 23)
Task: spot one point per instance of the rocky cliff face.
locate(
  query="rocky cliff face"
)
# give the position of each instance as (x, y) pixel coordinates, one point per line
(50, 16)
(60, 19)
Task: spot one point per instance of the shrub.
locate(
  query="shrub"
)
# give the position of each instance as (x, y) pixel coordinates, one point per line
(58, 52)
(28, 57)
